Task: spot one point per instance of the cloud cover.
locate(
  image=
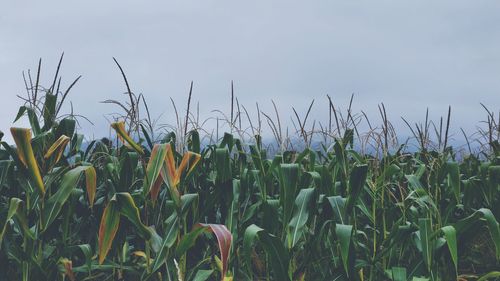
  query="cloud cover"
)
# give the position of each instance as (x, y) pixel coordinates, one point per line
(408, 55)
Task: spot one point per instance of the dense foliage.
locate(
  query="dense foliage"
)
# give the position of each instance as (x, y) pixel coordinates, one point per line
(134, 209)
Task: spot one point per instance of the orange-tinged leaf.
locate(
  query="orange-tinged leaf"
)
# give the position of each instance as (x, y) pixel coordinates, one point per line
(171, 171)
(109, 226)
(68, 268)
(91, 184)
(152, 180)
(155, 190)
(22, 138)
(224, 239)
(122, 133)
(58, 148)
(188, 163)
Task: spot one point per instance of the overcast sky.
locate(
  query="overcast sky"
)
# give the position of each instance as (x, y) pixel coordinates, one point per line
(408, 55)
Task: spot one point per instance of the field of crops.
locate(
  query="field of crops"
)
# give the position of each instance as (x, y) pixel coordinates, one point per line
(178, 208)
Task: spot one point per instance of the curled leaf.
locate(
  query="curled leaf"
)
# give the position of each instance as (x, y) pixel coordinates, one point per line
(22, 138)
(125, 137)
(91, 184)
(109, 226)
(58, 148)
(224, 239)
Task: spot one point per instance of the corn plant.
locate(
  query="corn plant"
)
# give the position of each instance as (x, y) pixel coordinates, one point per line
(134, 208)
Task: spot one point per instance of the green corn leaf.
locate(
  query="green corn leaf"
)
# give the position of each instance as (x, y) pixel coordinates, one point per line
(490, 276)
(223, 165)
(357, 180)
(188, 240)
(453, 171)
(13, 206)
(344, 234)
(481, 215)
(450, 235)
(203, 275)
(301, 215)
(337, 206)
(425, 229)
(399, 274)
(153, 169)
(278, 254)
(109, 226)
(54, 204)
(172, 229)
(289, 179)
(127, 208)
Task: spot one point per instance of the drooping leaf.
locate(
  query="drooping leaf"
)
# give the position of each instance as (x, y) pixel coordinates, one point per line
(489, 276)
(224, 239)
(110, 221)
(153, 169)
(344, 234)
(188, 240)
(58, 148)
(357, 180)
(125, 137)
(91, 184)
(300, 216)
(127, 208)
(278, 254)
(13, 205)
(54, 204)
(337, 205)
(450, 235)
(22, 137)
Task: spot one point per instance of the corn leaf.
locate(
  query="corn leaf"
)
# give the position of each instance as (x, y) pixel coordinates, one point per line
(357, 180)
(13, 205)
(224, 239)
(58, 148)
(153, 169)
(453, 171)
(91, 184)
(109, 226)
(289, 179)
(22, 138)
(450, 235)
(344, 234)
(125, 137)
(425, 229)
(54, 204)
(278, 254)
(399, 274)
(172, 229)
(301, 215)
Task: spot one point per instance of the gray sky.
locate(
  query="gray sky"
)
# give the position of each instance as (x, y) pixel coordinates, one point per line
(408, 55)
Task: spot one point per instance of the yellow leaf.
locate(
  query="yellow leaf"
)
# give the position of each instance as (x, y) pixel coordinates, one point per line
(22, 138)
(91, 182)
(58, 148)
(124, 136)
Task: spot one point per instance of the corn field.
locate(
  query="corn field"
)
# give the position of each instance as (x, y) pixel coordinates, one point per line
(135, 207)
